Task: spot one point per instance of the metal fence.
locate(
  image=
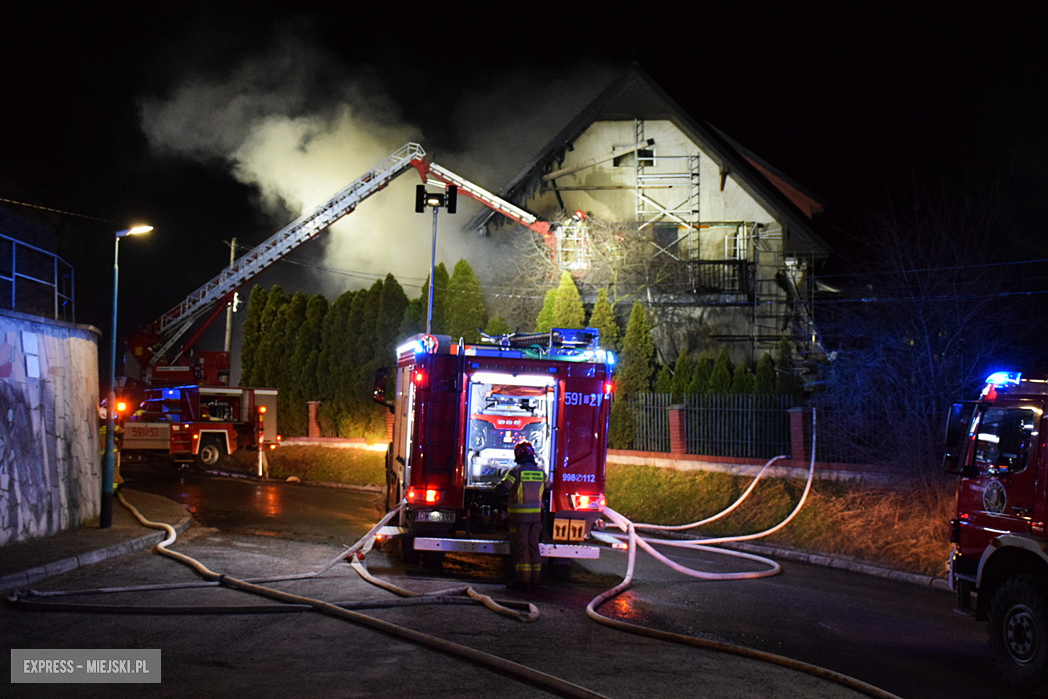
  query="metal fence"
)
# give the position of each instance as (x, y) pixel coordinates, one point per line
(747, 426)
(35, 281)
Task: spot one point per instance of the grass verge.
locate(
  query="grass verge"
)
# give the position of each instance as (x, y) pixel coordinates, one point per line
(903, 528)
(321, 464)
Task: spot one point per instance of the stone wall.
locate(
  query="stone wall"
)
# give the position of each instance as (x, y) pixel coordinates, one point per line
(50, 454)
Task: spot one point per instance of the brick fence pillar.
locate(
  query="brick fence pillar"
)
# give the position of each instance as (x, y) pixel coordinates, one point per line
(678, 429)
(314, 425)
(799, 422)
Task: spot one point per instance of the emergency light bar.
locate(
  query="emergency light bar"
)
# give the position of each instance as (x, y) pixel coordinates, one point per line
(1004, 378)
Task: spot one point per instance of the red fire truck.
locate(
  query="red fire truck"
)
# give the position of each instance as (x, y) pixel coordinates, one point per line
(459, 411)
(201, 424)
(998, 445)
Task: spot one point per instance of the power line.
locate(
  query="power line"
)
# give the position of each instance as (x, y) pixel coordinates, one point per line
(57, 211)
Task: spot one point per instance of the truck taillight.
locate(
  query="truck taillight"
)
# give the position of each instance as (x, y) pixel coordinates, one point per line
(419, 377)
(428, 496)
(608, 388)
(580, 501)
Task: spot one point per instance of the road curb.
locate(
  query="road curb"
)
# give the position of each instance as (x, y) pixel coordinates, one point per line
(23, 578)
(844, 563)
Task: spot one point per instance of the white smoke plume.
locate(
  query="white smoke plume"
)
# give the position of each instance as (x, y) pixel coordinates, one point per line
(282, 124)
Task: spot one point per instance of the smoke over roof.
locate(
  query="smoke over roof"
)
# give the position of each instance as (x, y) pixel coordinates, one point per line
(297, 124)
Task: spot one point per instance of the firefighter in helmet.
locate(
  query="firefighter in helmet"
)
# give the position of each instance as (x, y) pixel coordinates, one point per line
(525, 485)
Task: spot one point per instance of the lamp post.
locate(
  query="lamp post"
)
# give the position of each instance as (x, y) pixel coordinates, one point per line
(449, 200)
(105, 517)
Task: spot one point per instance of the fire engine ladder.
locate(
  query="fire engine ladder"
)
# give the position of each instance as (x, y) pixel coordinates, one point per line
(176, 322)
(492, 201)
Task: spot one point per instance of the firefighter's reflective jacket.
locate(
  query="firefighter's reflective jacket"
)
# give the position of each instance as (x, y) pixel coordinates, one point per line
(525, 485)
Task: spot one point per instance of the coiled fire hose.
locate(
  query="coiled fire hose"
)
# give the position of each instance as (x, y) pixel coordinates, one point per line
(634, 542)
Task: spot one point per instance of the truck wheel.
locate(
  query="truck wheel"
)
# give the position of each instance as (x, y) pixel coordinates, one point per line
(211, 452)
(1019, 633)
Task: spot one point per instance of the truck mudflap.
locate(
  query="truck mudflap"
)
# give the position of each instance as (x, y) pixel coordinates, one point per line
(498, 547)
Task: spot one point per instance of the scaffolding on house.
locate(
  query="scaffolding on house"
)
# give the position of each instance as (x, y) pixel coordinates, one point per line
(754, 270)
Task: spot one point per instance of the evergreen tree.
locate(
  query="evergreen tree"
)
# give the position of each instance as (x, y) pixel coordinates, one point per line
(440, 293)
(700, 377)
(393, 304)
(603, 319)
(664, 380)
(633, 376)
(305, 358)
(682, 374)
(332, 364)
(465, 305)
(764, 381)
(283, 372)
(252, 334)
(414, 321)
(742, 380)
(720, 378)
(635, 368)
(621, 428)
(568, 311)
(497, 326)
(270, 342)
(545, 320)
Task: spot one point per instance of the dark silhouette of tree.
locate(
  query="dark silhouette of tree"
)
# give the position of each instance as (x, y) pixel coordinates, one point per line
(700, 377)
(603, 319)
(919, 328)
(682, 374)
(764, 379)
(720, 377)
(256, 305)
(465, 311)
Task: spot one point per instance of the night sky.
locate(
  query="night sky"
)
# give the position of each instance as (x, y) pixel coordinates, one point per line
(862, 107)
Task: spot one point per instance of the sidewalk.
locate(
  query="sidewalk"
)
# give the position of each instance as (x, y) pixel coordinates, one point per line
(25, 563)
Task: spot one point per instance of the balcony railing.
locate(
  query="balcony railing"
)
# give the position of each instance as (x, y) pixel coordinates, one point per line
(727, 277)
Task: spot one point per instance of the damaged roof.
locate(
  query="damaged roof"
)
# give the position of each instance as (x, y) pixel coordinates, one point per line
(634, 95)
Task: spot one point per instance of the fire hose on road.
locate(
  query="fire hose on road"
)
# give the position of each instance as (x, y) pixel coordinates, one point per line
(356, 553)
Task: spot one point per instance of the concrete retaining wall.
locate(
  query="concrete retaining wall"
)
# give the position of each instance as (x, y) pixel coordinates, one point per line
(50, 454)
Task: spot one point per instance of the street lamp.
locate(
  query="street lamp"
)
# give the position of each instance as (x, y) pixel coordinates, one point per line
(449, 200)
(105, 517)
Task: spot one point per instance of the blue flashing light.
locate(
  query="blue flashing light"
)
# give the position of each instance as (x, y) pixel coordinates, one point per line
(413, 346)
(1004, 378)
(611, 359)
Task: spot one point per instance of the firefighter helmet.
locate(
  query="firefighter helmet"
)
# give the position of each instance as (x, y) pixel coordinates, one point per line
(524, 452)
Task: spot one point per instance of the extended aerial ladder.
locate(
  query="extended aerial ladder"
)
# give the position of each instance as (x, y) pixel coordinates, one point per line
(152, 345)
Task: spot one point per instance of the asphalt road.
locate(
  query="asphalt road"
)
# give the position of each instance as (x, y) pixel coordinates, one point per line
(896, 636)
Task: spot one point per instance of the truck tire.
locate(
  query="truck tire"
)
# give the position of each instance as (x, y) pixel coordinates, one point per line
(1019, 632)
(211, 453)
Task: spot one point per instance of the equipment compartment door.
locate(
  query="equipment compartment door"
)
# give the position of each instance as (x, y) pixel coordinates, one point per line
(503, 411)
